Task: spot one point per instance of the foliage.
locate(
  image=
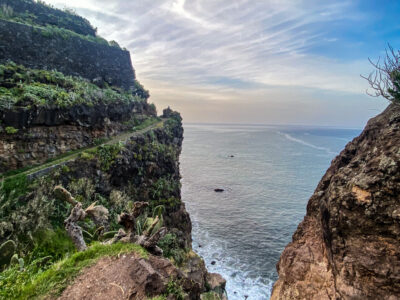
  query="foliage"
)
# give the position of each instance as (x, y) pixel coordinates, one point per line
(11, 130)
(107, 154)
(173, 288)
(24, 87)
(22, 213)
(141, 92)
(51, 31)
(171, 248)
(163, 191)
(146, 123)
(17, 185)
(7, 250)
(54, 244)
(385, 79)
(39, 279)
(82, 189)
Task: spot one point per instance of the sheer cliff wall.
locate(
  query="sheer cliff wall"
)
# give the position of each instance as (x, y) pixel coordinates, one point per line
(69, 53)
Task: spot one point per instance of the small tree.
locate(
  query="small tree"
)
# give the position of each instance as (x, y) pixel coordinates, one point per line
(385, 79)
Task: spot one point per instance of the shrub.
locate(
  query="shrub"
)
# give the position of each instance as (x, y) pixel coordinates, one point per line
(11, 130)
(171, 249)
(107, 154)
(54, 244)
(173, 288)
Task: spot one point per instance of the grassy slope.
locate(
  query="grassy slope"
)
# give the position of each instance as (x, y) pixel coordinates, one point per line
(36, 284)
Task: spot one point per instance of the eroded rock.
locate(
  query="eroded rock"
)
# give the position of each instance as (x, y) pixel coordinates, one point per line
(347, 246)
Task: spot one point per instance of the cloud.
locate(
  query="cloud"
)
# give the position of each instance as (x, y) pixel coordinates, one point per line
(226, 52)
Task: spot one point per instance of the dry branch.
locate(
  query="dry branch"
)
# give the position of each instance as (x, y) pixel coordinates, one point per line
(98, 213)
(384, 80)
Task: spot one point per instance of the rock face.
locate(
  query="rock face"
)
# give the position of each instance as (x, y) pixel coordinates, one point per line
(348, 245)
(46, 15)
(39, 48)
(46, 133)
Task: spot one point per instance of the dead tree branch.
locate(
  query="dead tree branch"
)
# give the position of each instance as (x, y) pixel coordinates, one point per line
(98, 213)
(385, 79)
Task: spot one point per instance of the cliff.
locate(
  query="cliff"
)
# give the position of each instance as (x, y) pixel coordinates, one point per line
(40, 14)
(62, 50)
(74, 119)
(347, 246)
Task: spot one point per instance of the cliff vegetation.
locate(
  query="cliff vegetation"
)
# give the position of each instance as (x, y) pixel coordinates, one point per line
(90, 184)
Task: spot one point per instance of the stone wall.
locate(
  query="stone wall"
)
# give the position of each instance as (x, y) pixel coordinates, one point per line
(39, 48)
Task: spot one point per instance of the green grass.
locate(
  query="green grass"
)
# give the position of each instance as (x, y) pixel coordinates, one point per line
(35, 283)
(17, 185)
(146, 123)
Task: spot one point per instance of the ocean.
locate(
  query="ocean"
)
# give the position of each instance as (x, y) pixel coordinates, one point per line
(268, 174)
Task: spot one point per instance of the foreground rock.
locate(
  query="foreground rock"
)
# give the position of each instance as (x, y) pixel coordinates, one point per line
(133, 277)
(348, 246)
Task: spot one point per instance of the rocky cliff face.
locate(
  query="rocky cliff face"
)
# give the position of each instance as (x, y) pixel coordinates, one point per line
(45, 133)
(72, 54)
(74, 118)
(348, 246)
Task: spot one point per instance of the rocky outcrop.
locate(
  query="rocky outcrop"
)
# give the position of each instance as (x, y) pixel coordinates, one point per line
(348, 246)
(133, 277)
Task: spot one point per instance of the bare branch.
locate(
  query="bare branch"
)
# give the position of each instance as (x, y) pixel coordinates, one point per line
(385, 79)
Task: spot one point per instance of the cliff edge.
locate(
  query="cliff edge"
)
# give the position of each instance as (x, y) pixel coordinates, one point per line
(90, 191)
(348, 246)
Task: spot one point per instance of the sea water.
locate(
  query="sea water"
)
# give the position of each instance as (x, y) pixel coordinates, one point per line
(268, 174)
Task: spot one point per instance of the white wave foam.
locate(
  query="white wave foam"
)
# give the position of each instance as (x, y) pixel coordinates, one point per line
(239, 284)
(293, 139)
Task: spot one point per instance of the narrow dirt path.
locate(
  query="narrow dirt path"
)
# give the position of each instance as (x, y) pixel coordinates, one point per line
(122, 137)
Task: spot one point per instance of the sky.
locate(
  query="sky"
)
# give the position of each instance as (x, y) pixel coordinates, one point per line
(253, 61)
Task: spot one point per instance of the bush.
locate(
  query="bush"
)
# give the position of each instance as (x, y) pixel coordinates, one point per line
(171, 249)
(107, 154)
(11, 130)
(54, 244)
(173, 288)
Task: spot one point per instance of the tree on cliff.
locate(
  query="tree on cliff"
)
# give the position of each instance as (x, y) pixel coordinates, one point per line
(385, 79)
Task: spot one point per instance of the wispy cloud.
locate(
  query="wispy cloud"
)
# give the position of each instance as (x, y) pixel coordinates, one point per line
(251, 52)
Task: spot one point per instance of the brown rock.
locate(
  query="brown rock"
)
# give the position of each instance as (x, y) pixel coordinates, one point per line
(216, 283)
(133, 277)
(127, 277)
(348, 246)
